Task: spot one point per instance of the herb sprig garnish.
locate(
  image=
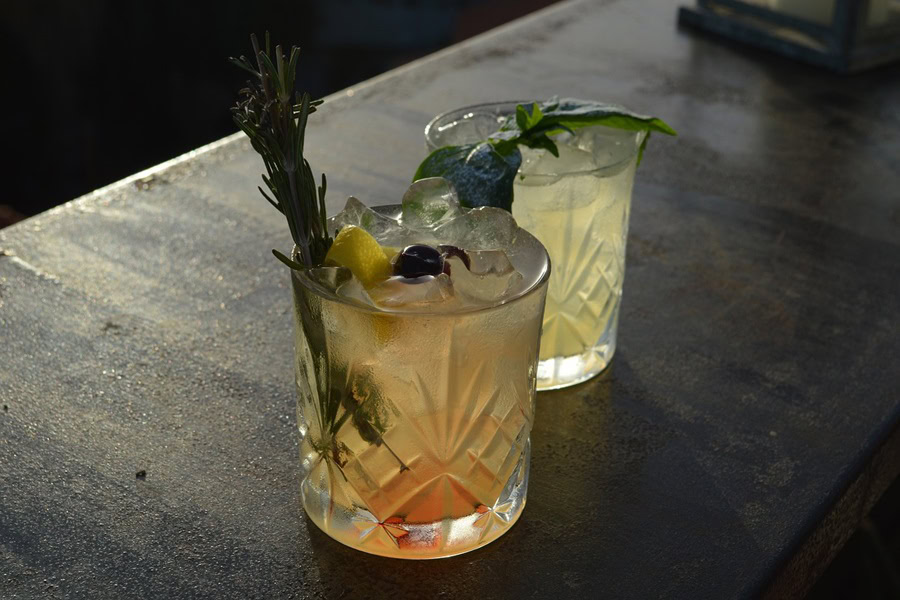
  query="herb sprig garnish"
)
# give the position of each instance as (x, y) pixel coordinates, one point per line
(274, 116)
(484, 172)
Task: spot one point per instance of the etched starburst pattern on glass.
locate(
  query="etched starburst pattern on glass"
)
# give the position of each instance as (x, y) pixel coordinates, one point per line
(415, 428)
(582, 220)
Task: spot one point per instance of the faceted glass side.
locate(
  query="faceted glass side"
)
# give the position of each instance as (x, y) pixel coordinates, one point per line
(582, 220)
(414, 427)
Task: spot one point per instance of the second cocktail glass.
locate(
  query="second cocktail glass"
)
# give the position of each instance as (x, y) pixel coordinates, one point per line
(578, 206)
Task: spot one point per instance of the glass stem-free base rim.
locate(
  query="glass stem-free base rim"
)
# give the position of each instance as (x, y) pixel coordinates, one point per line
(564, 371)
(358, 528)
(464, 522)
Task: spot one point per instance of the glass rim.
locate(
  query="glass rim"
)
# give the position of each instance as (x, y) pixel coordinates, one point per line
(534, 176)
(323, 292)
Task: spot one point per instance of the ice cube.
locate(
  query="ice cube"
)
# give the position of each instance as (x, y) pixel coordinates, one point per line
(411, 293)
(387, 231)
(482, 288)
(530, 159)
(329, 277)
(473, 126)
(571, 159)
(490, 262)
(353, 290)
(482, 228)
(607, 145)
(429, 203)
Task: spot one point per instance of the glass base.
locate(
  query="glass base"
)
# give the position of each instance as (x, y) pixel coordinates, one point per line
(564, 371)
(358, 528)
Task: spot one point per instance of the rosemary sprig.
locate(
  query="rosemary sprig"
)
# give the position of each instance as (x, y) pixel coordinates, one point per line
(274, 116)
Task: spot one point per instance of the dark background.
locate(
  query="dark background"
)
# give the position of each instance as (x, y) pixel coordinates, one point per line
(96, 90)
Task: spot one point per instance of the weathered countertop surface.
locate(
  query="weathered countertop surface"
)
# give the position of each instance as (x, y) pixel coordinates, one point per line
(749, 419)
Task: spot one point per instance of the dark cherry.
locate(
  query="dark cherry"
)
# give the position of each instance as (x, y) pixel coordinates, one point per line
(418, 260)
(447, 251)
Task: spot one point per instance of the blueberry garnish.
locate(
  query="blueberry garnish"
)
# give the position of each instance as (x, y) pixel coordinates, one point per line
(418, 260)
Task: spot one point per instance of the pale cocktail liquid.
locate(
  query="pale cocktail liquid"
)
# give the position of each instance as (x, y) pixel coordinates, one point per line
(580, 214)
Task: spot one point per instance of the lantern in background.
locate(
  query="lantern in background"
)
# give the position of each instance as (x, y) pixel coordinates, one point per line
(843, 35)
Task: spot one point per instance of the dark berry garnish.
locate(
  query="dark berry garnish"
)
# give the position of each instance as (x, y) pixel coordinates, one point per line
(447, 251)
(418, 260)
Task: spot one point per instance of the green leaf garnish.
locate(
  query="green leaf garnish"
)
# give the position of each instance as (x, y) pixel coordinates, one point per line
(485, 178)
(287, 261)
(569, 114)
(526, 121)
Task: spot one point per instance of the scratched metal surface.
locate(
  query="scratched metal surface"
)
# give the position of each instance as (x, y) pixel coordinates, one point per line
(748, 420)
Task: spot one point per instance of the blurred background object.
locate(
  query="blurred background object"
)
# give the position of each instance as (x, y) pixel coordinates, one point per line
(97, 90)
(842, 35)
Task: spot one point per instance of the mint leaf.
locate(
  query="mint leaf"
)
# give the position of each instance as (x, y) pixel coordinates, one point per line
(641, 149)
(482, 173)
(568, 114)
(541, 142)
(522, 117)
(527, 121)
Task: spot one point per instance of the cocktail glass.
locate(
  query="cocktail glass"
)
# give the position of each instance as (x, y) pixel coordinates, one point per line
(578, 206)
(415, 426)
